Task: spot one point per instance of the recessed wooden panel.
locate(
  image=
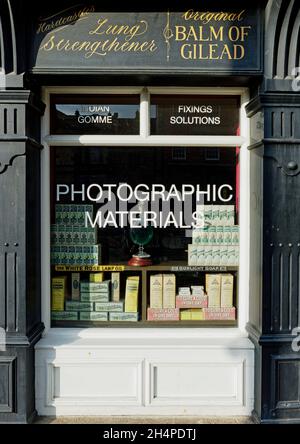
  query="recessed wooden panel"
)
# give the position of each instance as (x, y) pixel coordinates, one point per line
(197, 383)
(97, 382)
(7, 384)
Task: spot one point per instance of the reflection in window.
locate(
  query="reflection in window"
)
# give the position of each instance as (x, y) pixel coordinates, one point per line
(111, 115)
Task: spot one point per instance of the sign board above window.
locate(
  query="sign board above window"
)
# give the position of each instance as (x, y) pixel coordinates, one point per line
(83, 38)
(109, 114)
(195, 115)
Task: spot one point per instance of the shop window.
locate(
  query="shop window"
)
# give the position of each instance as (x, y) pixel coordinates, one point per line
(144, 236)
(194, 115)
(109, 114)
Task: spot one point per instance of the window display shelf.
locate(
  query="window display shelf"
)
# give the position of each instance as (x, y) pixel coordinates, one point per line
(179, 266)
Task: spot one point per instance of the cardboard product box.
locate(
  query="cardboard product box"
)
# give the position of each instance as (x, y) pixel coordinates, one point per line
(169, 290)
(109, 306)
(237, 255)
(192, 255)
(73, 218)
(192, 302)
(197, 314)
(115, 286)
(227, 235)
(219, 235)
(92, 237)
(58, 217)
(76, 237)
(230, 214)
(201, 255)
(208, 255)
(231, 260)
(156, 291)
(219, 314)
(213, 289)
(223, 215)
(65, 218)
(163, 314)
(226, 290)
(131, 294)
(83, 236)
(196, 236)
(204, 236)
(216, 257)
(79, 306)
(184, 291)
(77, 259)
(96, 277)
(197, 290)
(124, 317)
(75, 286)
(200, 216)
(93, 316)
(59, 285)
(94, 297)
(61, 229)
(208, 214)
(212, 235)
(53, 234)
(223, 255)
(215, 215)
(235, 235)
(192, 314)
(80, 218)
(64, 316)
(90, 287)
(185, 315)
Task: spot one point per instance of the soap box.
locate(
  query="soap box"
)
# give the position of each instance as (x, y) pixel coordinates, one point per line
(95, 286)
(94, 297)
(213, 289)
(156, 291)
(163, 314)
(192, 255)
(64, 316)
(93, 316)
(219, 314)
(96, 277)
(201, 255)
(79, 306)
(191, 302)
(169, 290)
(109, 306)
(123, 317)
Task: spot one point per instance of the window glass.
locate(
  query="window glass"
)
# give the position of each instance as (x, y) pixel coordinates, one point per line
(106, 114)
(123, 272)
(194, 115)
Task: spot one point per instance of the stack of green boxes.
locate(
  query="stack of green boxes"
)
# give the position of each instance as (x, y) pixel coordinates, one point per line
(95, 299)
(216, 242)
(94, 303)
(72, 243)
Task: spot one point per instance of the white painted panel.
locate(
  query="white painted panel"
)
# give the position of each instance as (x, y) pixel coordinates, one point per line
(197, 383)
(101, 382)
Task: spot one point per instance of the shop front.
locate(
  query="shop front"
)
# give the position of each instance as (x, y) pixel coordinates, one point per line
(149, 245)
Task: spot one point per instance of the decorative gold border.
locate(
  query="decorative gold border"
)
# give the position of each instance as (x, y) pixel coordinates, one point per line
(168, 34)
